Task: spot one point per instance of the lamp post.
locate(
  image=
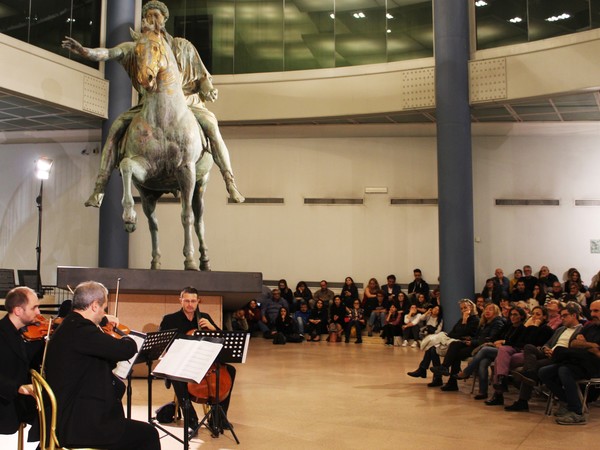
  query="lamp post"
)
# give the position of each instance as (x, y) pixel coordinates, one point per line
(42, 172)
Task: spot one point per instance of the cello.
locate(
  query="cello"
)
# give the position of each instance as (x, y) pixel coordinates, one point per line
(216, 384)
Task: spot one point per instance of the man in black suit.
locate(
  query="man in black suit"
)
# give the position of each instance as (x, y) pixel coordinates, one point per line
(188, 318)
(79, 363)
(17, 404)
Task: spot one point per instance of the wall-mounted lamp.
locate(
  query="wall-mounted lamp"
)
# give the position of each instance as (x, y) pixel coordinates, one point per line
(42, 168)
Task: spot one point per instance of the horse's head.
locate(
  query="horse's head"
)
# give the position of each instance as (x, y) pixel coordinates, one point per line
(150, 55)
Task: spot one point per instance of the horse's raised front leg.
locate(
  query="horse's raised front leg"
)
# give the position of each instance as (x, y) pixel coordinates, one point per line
(186, 178)
(149, 200)
(130, 168)
(198, 205)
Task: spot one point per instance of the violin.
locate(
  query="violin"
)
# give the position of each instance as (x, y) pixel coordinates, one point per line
(38, 330)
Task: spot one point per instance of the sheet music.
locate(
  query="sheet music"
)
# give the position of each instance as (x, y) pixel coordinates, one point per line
(124, 367)
(187, 360)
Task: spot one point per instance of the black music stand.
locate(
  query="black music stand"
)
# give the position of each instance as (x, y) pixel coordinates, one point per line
(154, 346)
(235, 349)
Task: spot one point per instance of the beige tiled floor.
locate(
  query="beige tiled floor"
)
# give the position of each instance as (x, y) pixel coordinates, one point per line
(348, 396)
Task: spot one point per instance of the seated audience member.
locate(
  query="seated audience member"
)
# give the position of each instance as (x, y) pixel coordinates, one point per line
(402, 303)
(410, 329)
(301, 316)
(378, 314)
(505, 307)
(534, 357)
(432, 322)
(536, 333)
(480, 304)
(254, 317)
(517, 275)
(595, 286)
(575, 295)
(286, 326)
(435, 299)
(370, 296)
(356, 319)
(325, 294)
(492, 292)
(270, 308)
(546, 279)
(238, 321)
(511, 335)
(502, 281)
(465, 327)
(520, 292)
(574, 277)
(528, 278)
(317, 322)
(301, 294)
(286, 293)
(422, 303)
(391, 289)
(555, 293)
(337, 314)
(491, 325)
(349, 292)
(392, 325)
(580, 361)
(418, 286)
(553, 308)
(538, 298)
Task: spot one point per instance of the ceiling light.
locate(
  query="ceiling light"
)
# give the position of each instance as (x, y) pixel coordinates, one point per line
(388, 30)
(332, 15)
(563, 16)
(376, 190)
(359, 15)
(389, 16)
(515, 20)
(480, 3)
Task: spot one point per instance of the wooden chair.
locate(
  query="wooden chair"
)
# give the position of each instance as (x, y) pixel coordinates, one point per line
(46, 404)
(20, 437)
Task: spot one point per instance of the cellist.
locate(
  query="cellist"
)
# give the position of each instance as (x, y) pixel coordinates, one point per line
(17, 404)
(189, 317)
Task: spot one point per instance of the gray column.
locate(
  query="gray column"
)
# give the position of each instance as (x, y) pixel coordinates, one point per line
(113, 245)
(455, 175)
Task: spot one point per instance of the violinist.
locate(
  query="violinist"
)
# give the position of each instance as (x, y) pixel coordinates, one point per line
(79, 363)
(17, 404)
(189, 317)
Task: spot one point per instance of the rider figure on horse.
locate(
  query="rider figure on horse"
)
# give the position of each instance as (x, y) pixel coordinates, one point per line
(197, 87)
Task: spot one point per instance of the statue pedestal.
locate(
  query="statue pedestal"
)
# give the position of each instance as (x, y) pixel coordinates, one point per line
(145, 296)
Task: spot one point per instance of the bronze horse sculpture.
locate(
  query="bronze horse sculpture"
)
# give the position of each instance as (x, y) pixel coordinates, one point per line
(164, 149)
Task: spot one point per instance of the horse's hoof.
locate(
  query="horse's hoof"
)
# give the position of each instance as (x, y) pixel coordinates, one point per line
(95, 200)
(205, 266)
(190, 266)
(130, 227)
(234, 195)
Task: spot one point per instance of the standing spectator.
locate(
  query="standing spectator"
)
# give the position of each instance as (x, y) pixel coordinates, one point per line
(418, 286)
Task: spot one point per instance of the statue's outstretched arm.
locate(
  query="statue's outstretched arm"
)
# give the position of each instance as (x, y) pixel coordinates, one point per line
(93, 54)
